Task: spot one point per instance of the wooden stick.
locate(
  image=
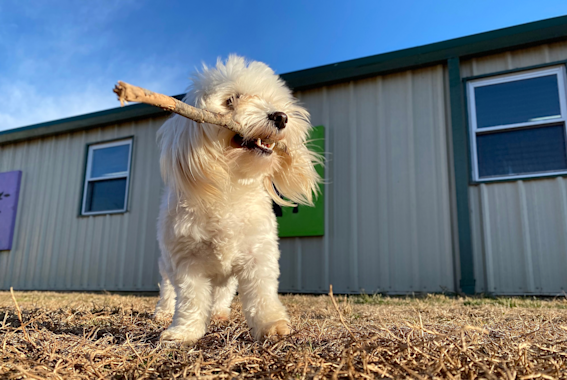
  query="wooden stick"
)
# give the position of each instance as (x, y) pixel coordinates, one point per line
(130, 93)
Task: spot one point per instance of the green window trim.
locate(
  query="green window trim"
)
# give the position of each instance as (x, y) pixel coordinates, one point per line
(465, 80)
(81, 213)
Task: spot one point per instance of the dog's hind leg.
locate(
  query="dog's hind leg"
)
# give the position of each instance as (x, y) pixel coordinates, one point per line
(166, 304)
(222, 299)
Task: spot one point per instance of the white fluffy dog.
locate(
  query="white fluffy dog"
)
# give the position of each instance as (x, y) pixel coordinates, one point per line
(216, 227)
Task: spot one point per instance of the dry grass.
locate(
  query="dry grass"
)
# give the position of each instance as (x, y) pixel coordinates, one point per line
(81, 335)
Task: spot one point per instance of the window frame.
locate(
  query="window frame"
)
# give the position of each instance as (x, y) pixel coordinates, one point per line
(474, 131)
(88, 179)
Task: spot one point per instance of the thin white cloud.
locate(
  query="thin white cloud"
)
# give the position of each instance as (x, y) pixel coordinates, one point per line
(60, 67)
(24, 103)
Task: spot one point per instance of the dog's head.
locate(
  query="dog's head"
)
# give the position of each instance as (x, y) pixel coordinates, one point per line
(203, 160)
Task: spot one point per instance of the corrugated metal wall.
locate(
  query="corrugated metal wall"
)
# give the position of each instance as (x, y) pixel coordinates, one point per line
(56, 249)
(388, 202)
(519, 228)
(388, 219)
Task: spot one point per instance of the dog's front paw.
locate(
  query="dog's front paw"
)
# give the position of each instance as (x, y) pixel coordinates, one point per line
(162, 316)
(179, 335)
(221, 316)
(277, 329)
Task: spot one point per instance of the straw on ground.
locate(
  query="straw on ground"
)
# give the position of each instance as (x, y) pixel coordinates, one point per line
(82, 335)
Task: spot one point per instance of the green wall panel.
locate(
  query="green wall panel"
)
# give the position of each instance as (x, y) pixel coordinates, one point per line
(305, 220)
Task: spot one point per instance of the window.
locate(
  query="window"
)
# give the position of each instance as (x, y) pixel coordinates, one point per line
(517, 125)
(107, 177)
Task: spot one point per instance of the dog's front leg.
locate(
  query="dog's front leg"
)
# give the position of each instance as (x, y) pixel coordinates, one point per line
(193, 305)
(166, 304)
(258, 288)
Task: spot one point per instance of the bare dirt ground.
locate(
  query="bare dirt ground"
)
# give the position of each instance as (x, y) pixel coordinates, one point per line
(84, 335)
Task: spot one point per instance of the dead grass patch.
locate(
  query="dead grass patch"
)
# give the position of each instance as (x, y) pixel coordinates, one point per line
(83, 335)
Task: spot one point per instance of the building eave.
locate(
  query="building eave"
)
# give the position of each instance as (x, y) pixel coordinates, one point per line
(515, 37)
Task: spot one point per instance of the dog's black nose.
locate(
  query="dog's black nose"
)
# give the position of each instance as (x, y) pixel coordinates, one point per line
(279, 119)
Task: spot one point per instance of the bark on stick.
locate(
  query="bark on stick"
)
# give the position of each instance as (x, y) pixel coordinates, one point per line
(129, 93)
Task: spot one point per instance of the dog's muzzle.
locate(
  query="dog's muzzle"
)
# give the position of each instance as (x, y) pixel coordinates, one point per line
(259, 145)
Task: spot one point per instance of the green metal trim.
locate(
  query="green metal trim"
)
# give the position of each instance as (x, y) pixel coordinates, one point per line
(472, 181)
(461, 167)
(514, 37)
(467, 129)
(513, 71)
(516, 179)
(130, 175)
(82, 122)
(86, 159)
(110, 140)
(81, 198)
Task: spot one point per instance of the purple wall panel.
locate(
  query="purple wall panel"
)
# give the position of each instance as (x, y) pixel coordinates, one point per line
(9, 194)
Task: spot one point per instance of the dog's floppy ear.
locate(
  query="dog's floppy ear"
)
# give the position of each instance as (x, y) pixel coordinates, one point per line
(297, 179)
(190, 161)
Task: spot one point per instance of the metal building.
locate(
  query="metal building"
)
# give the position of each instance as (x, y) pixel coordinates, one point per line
(446, 173)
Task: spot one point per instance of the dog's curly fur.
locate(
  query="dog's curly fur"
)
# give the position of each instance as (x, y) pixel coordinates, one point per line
(216, 227)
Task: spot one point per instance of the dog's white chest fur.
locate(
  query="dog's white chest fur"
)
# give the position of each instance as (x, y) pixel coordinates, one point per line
(222, 235)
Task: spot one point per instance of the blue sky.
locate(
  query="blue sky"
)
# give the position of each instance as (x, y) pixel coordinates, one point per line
(62, 58)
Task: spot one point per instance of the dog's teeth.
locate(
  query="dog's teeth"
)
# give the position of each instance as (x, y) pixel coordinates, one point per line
(263, 144)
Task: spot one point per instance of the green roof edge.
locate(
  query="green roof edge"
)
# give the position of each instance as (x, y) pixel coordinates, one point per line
(82, 122)
(464, 47)
(491, 42)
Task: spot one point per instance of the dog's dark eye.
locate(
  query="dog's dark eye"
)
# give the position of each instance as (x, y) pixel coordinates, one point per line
(230, 101)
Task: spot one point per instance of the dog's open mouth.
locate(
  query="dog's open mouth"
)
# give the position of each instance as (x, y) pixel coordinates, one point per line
(258, 145)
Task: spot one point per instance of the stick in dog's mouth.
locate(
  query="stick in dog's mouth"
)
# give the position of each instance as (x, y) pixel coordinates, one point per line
(258, 145)
(129, 93)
